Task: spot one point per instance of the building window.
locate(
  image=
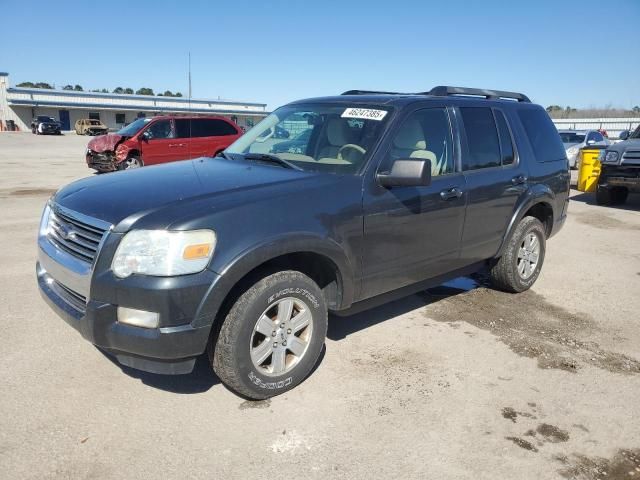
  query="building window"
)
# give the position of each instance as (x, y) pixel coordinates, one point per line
(94, 115)
(141, 115)
(120, 119)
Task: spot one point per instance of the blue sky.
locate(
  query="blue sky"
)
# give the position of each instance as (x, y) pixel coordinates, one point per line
(558, 52)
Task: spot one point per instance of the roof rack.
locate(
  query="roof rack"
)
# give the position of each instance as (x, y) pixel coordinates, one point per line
(444, 91)
(371, 92)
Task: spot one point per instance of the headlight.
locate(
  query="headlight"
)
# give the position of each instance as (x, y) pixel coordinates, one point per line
(572, 151)
(44, 221)
(163, 253)
(611, 157)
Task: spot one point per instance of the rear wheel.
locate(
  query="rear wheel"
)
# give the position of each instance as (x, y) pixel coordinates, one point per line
(520, 265)
(272, 337)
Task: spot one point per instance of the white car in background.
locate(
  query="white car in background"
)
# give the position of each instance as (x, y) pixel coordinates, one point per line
(574, 140)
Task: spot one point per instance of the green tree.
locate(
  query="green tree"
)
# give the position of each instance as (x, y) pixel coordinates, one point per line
(118, 90)
(178, 94)
(128, 91)
(636, 109)
(104, 90)
(167, 93)
(43, 85)
(68, 87)
(26, 85)
(78, 88)
(144, 91)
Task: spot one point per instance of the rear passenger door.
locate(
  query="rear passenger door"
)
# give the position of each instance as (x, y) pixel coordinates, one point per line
(495, 179)
(210, 135)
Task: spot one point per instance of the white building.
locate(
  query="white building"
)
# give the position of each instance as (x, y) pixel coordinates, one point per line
(20, 105)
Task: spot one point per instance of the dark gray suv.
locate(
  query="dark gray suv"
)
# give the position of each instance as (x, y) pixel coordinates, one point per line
(620, 173)
(244, 255)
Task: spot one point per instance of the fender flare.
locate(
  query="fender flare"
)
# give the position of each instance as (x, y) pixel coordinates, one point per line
(234, 270)
(538, 193)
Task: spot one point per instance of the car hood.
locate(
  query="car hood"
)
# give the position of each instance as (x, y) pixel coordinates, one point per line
(621, 147)
(124, 198)
(105, 143)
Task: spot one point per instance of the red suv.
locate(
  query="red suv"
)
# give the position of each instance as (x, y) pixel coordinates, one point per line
(148, 141)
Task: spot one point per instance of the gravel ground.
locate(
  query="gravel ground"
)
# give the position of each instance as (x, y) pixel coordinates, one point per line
(456, 382)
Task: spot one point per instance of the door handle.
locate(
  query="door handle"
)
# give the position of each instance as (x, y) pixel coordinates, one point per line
(173, 145)
(519, 180)
(450, 193)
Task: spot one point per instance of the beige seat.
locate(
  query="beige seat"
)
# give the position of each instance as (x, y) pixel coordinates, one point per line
(338, 135)
(409, 142)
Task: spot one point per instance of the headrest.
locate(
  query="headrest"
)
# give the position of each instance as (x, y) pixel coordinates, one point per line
(410, 136)
(338, 132)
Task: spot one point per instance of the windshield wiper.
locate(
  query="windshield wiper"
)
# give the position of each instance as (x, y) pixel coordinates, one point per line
(266, 157)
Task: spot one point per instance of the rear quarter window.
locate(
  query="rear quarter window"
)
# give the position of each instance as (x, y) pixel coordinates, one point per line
(543, 135)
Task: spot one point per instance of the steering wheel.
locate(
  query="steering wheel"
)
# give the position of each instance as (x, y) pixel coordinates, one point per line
(353, 146)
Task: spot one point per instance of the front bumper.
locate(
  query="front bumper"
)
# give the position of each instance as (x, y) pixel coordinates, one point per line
(102, 161)
(620, 176)
(169, 349)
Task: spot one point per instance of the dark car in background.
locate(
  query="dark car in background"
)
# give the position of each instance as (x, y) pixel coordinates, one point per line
(296, 145)
(149, 141)
(45, 125)
(243, 256)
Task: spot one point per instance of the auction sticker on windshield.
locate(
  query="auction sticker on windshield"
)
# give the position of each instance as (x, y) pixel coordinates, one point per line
(364, 113)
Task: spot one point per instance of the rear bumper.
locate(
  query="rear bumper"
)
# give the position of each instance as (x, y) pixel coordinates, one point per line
(166, 350)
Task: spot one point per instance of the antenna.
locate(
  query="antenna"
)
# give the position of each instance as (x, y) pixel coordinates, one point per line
(189, 81)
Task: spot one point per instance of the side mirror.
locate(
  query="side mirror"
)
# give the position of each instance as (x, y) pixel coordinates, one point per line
(624, 135)
(410, 172)
(145, 136)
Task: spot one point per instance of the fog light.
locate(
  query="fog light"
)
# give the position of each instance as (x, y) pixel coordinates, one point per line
(138, 318)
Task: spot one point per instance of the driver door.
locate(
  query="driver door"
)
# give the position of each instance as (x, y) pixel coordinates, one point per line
(414, 233)
(161, 146)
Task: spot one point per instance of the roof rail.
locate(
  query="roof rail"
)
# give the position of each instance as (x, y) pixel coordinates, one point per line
(443, 91)
(370, 92)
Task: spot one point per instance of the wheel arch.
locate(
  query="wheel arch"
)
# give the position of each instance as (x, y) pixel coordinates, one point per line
(537, 203)
(322, 261)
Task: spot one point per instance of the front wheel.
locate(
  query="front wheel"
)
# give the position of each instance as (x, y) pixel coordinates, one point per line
(130, 163)
(272, 337)
(520, 265)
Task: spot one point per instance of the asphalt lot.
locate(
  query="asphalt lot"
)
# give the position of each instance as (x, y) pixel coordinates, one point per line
(457, 382)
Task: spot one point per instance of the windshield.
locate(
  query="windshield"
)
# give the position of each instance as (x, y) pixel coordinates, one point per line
(46, 119)
(134, 127)
(319, 137)
(94, 122)
(572, 137)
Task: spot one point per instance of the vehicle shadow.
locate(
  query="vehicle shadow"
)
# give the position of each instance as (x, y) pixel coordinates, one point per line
(632, 203)
(199, 380)
(202, 378)
(342, 326)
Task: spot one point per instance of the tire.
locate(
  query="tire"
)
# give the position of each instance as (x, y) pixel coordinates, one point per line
(520, 265)
(603, 196)
(131, 163)
(33, 130)
(619, 195)
(245, 360)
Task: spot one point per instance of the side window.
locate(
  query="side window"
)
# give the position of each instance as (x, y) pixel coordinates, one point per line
(426, 134)
(543, 135)
(597, 136)
(221, 128)
(160, 129)
(120, 118)
(182, 127)
(506, 142)
(482, 138)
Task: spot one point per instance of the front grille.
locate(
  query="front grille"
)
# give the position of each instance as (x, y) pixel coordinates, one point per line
(631, 157)
(78, 238)
(74, 299)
